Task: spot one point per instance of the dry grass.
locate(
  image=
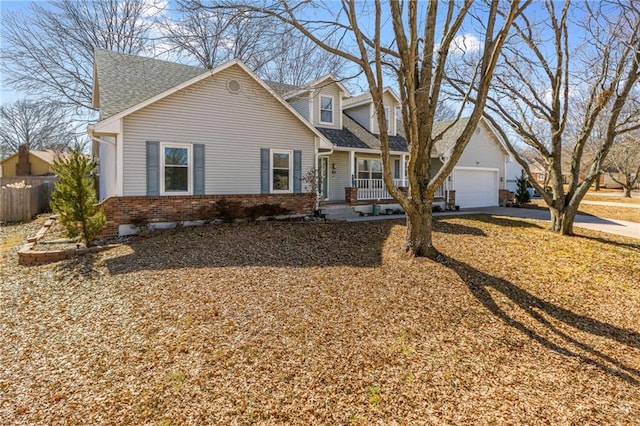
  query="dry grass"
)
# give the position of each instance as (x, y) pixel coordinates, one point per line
(630, 214)
(328, 324)
(611, 199)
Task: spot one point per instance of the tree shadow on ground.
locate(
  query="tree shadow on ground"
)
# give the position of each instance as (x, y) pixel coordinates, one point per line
(267, 244)
(610, 242)
(441, 225)
(479, 283)
(504, 221)
(81, 267)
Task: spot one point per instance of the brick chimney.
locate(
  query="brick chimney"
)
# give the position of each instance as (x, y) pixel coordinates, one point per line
(23, 168)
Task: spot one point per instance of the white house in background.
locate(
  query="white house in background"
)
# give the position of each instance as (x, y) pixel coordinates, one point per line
(172, 140)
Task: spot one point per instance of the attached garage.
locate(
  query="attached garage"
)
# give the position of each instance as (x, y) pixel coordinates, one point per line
(476, 186)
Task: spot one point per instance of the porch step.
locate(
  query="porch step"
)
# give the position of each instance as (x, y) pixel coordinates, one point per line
(338, 212)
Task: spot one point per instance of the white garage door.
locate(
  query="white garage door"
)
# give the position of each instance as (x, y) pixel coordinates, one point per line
(476, 187)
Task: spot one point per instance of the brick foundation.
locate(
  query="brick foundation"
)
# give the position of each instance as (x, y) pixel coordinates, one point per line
(505, 197)
(450, 198)
(127, 210)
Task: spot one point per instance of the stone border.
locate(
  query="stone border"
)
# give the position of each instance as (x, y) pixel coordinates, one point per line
(27, 256)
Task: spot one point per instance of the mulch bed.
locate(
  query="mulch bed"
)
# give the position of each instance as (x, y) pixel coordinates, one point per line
(277, 323)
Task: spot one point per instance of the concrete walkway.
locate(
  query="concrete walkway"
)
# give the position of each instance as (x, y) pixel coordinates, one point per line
(611, 226)
(611, 204)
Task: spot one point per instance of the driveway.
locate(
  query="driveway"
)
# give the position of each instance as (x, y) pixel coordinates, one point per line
(611, 226)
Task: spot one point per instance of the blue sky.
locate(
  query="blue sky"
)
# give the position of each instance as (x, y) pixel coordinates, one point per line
(7, 95)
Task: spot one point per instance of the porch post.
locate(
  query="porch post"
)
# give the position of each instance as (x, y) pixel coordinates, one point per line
(352, 171)
(403, 170)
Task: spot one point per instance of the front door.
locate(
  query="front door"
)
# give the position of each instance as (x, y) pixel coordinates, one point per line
(323, 177)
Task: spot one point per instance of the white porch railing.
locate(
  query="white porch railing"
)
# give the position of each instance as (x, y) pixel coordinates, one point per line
(375, 189)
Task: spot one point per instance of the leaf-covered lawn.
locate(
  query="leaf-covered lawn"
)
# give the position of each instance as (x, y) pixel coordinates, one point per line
(328, 324)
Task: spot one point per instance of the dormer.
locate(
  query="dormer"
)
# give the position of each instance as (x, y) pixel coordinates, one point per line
(320, 101)
(362, 110)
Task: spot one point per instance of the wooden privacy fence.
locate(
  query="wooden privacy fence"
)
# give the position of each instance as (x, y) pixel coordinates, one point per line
(20, 204)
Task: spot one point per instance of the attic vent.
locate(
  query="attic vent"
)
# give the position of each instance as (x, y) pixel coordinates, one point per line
(477, 130)
(233, 86)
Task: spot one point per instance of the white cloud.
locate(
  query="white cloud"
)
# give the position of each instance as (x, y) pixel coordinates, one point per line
(155, 7)
(465, 43)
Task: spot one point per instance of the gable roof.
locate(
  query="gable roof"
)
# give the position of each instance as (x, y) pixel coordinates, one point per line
(122, 80)
(105, 122)
(281, 88)
(353, 135)
(288, 90)
(451, 135)
(366, 97)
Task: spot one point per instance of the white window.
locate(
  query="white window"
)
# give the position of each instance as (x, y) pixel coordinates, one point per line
(326, 109)
(175, 168)
(369, 169)
(281, 171)
(396, 168)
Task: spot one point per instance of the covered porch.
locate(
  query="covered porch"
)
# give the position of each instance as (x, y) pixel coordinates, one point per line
(355, 177)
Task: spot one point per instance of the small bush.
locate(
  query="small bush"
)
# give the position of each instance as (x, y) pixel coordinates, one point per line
(74, 199)
(522, 193)
(267, 210)
(208, 212)
(229, 210)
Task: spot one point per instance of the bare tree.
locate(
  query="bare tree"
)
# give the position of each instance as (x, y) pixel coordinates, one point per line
(298, 60)
(417, 53)
(212, 37)
(553, 88)
(274, 52)
(38, 125)
(623, 163)
(49, 51)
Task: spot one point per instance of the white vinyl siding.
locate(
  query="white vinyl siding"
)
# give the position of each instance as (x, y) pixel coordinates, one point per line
(107, 168)
(389, 102)
(361, 115)
(302, 106)
(232, 134)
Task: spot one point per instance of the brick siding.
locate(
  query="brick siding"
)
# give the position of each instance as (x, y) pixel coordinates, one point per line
(126, 210)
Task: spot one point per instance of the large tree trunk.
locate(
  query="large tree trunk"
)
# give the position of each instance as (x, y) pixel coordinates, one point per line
(562, 219)
(419, 232)
(627, 191)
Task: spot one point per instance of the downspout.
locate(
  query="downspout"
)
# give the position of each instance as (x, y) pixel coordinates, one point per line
(446, 184)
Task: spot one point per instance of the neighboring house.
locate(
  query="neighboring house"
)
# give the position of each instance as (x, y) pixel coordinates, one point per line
(514, 170)
(173, 140)
(29, 163)
(607, 181)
